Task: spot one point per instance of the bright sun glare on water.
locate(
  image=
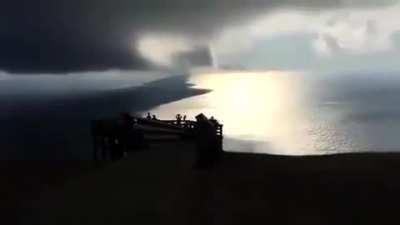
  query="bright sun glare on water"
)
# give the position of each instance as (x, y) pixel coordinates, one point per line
(265, 109)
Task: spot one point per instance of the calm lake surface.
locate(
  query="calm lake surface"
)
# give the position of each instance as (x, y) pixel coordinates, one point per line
(295, 113)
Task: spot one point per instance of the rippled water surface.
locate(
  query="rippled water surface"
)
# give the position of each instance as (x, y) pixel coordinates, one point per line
(297, 113)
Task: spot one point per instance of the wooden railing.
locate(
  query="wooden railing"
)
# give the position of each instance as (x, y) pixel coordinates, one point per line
(134, 134)
(182, 123)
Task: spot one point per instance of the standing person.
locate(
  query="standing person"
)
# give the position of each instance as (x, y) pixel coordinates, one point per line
(208, 151)
(214, 121)
(148, 116)
(178, 119)
(184, 121)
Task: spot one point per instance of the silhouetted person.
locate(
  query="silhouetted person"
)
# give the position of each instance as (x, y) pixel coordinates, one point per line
(148, 116)
(184, 121)
(178, 119)
(208, 150)
(213, 120)
(154, 117)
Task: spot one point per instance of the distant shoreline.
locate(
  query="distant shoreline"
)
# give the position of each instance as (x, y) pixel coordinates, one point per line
(59, 129)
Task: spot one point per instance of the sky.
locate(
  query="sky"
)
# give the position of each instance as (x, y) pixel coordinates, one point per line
(47, 36)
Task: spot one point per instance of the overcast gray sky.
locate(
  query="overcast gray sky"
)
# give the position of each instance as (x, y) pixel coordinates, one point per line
(80, 35)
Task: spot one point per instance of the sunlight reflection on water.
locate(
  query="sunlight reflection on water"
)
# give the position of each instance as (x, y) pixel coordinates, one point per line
(273, 112)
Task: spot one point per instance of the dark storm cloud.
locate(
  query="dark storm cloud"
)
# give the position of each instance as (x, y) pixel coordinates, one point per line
(67, 35)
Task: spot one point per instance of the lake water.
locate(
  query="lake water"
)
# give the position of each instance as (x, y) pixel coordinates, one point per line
(295, 113)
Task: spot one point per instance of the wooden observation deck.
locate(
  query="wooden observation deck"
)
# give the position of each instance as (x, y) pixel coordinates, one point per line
(115, 138)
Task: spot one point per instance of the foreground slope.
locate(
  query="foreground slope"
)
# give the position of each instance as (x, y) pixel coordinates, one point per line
(160, 186)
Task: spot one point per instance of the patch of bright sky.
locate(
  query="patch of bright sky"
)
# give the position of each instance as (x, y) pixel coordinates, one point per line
(286, 39)
(160, 48)
(317, 35)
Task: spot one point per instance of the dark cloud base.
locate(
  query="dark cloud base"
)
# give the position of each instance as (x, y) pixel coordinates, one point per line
(37, 53)
(74, 35)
